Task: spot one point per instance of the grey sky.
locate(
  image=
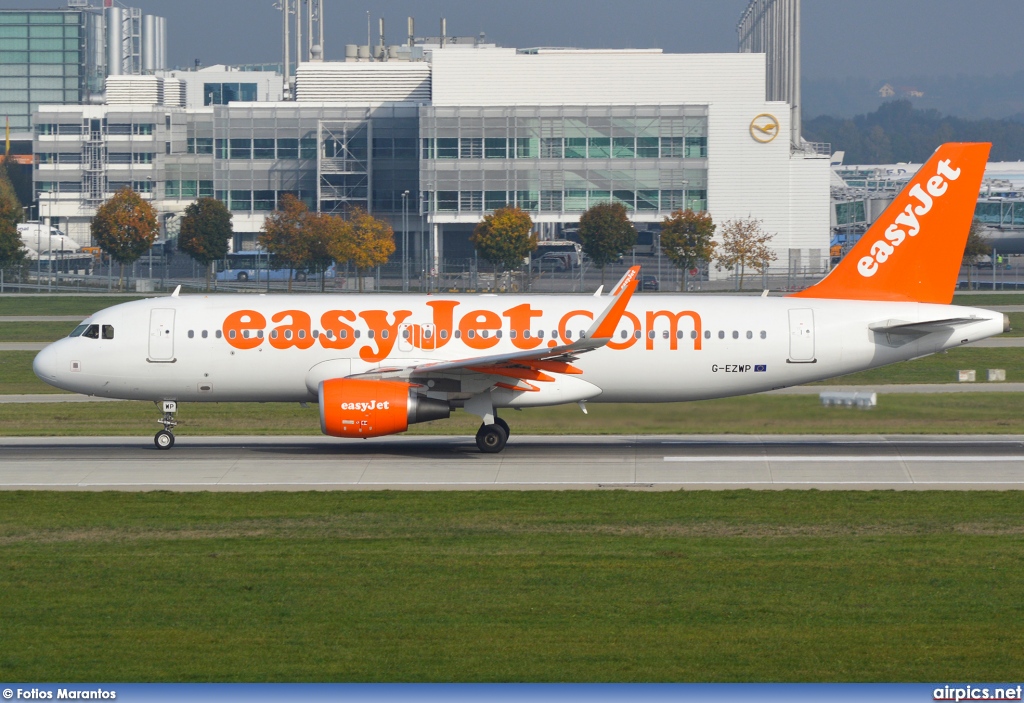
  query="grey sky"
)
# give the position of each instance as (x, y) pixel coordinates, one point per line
(865, 38)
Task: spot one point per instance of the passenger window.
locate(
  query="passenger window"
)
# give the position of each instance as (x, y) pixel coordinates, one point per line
(260, 334)
(231, 334)
(679, 334)
(498, 334)
(245, 334)
(316, 334)
(405, 333)
(568, 334)
(554, 334)
(287, 334)
(221, 334)
(693, 334)
(526, 334)
(273, 334)
(540, 334)
(427, 334)
(484, 334)
(637, 334)
(651, 334)
(583, 334)
(763, 334)
(664, 335)
(204, 334)
(302, 334)
(750, 335)
(92, 332)
(357, 333)
(721, 334)
(470, 334)
(735, 334)
(511, 334)
(191, 334)
(457, 334)
(444, 334)
(77, 332)
(707, 334)
(369, 334)
(624, 334)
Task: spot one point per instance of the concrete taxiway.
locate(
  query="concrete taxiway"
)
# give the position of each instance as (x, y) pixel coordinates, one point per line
(528, 462)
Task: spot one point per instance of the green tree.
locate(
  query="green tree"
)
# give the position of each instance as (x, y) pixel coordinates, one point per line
(373, 242)
(687, 239)
(976, 247)
(13, 254)
(205, 232)
(125, 227)
(606, 233)
(282, 235)
(744, 244)
(505, 238)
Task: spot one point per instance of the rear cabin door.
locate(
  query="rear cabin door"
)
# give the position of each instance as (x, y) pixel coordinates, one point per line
(801, 336)
(161, 334)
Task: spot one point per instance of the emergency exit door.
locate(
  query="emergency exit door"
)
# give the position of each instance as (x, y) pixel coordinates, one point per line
(161, 334)
(801, 336)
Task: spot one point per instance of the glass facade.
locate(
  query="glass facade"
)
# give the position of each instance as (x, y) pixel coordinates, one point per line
(563, 160)
(224, 93)
(42, 60)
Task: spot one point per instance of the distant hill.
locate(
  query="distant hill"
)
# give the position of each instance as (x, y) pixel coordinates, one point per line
(897, 131)
(973, 97)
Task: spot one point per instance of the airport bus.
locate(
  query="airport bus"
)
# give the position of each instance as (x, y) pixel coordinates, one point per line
(260, 266)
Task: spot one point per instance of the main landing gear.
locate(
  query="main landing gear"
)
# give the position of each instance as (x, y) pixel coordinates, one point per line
(164, 439)
(491, 439)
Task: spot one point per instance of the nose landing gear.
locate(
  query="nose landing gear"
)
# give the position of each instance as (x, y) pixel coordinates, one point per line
(164, 439)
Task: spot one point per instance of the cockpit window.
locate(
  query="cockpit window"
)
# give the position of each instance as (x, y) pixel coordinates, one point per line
(108, 331)
(77, 332)
(92, 332)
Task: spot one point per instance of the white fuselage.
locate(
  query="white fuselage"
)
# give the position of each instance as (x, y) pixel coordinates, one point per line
(666, 348)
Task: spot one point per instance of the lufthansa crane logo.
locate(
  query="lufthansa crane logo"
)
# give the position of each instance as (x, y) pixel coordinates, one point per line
(764, 128)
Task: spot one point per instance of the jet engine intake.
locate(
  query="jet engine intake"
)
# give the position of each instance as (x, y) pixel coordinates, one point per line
(357, 408)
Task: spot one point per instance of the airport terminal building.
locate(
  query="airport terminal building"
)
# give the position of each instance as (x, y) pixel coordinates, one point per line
(448, 138)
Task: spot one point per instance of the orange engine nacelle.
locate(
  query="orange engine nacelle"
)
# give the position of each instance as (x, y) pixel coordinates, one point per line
(357, 408)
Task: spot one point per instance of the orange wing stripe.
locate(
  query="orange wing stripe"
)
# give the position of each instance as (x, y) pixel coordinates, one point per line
(512, 372)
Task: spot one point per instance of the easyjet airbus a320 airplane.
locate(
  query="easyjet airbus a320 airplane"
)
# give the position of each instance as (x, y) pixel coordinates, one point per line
(378, 363)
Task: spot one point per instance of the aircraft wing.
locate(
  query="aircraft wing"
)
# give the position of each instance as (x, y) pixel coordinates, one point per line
(516, 369)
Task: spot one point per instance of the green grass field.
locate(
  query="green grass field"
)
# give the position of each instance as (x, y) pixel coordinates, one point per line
(981, 300)
(942, 367)
(512, 586)
(16, 374)
(960, 413)
(60, 304)
(34, 331)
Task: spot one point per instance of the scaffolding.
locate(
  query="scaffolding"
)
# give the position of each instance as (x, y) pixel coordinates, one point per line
(344, 165)
(94, 166)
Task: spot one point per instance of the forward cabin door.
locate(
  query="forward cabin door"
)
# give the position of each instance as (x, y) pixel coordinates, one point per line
(161, 334)
(801, 336)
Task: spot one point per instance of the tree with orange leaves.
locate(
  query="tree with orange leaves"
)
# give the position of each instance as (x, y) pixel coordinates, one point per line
(373, 242)
(283, 235)
(125, 227)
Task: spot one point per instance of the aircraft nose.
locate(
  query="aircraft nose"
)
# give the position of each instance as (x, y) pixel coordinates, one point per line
(45, 364)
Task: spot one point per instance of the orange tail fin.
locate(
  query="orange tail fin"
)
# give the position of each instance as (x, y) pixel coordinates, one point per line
(914, 250)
